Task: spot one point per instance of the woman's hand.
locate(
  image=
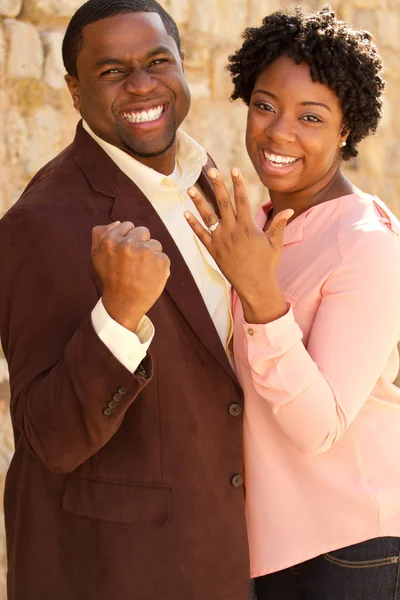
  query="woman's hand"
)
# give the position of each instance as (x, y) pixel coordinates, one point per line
(247, 256)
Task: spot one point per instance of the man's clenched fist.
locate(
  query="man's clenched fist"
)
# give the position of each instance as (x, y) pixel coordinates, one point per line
(132, 268)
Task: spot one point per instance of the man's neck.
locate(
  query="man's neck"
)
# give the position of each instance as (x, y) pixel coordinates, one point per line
(163, 163)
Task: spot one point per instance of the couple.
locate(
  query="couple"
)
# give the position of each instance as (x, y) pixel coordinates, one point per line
(127, 481)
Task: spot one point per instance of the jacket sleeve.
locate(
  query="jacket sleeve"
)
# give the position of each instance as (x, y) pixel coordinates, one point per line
(69, 393)
(316, 392)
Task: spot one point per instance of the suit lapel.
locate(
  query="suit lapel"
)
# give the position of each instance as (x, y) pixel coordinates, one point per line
(130, 204)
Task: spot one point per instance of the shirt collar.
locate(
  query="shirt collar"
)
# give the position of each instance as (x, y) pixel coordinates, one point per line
(190, 159)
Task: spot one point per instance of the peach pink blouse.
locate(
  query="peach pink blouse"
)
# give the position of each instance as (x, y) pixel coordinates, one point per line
(322, 415)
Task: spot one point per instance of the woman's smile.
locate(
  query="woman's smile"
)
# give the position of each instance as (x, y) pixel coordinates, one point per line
(278, 164)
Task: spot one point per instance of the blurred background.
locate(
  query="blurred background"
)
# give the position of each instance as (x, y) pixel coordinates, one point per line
(38, 120)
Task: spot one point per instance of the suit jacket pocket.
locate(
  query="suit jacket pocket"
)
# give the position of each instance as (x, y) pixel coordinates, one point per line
(115, 502)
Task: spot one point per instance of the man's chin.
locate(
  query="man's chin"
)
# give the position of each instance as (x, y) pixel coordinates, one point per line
(150, 152)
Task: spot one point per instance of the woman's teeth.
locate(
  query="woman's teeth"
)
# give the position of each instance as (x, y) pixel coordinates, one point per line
(144, 116)
(279, 161)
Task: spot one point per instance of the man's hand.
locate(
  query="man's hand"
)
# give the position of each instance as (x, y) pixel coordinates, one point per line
(132, 268)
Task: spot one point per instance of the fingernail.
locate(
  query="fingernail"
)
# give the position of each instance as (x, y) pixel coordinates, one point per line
(191, 192)
(187, 215)
(235, 172)
(212, 173)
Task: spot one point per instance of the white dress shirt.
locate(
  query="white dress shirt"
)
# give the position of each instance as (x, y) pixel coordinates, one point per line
(169, 197)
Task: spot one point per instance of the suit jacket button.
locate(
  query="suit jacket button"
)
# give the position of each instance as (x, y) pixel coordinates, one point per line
(235, 410)
(113, 404)
(117, 397)
(122, 390)
(237, 481)
(108, 412)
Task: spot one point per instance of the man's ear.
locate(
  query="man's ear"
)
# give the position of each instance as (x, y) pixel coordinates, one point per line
(73, 86)
(182, 55)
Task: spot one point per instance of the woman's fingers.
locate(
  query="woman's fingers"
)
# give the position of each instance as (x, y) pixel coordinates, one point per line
(206, 212)
(223, 199)
(241, 199)
(203, 234)
(276, 230)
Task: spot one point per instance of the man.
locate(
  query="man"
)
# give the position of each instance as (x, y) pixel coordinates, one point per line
(126, 482)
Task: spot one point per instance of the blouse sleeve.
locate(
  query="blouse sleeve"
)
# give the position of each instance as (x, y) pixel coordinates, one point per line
(315, 393)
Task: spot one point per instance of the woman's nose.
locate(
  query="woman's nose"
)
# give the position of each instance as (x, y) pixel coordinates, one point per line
(281, 129)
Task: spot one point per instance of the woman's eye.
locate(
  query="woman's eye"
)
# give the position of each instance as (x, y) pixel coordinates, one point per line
(264, 106)
(311, 119)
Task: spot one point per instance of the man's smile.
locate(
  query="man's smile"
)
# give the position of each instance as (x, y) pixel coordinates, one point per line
(144, 115)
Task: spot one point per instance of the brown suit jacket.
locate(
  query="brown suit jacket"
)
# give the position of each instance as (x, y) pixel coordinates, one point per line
(137, 504)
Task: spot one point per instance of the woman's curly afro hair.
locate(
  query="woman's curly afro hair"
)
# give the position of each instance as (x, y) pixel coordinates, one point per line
(345, 60)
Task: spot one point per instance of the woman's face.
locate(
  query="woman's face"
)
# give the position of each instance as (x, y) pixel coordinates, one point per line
(294, 129)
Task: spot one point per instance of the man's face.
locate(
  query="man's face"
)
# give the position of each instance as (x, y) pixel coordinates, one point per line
(130, 87)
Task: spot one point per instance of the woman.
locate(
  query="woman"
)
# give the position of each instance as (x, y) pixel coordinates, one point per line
(317, 316)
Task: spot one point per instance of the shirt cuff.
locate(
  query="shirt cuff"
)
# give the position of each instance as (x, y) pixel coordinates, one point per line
(276, 337)
(127, 347)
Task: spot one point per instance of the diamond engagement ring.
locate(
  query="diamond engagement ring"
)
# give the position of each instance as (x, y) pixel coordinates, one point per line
(213, 227)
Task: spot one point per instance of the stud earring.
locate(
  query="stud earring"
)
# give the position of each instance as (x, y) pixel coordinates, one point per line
(342, 144)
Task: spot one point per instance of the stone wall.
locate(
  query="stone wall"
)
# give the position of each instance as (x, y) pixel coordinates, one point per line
(37, 118)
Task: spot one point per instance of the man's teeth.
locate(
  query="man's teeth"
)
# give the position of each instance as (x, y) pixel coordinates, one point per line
(278, 160)
(144, 116)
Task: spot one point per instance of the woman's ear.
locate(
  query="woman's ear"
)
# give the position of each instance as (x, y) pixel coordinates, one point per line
(344, 134)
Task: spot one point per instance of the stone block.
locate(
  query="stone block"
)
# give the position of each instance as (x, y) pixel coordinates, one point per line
(371, 4)
(40, 10)
(2, 49)
(53, 72)
(45, 127)
(373, 155)
(16, 137)
(393, 158)
(225, 19)
(388, 28)
(25, 51)
(306, 6)
(3, 372)
(179, 10)
(10, 8)
(199, 87)
(366, 19)
(386, 122)
(197, 52)
(221, 83)
(258, 10)
(346, 12)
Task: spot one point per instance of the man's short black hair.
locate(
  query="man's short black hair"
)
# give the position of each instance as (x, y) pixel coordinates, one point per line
(96, 10)
(345, 60)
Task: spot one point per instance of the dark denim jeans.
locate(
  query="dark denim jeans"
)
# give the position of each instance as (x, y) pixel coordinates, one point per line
(366, 571)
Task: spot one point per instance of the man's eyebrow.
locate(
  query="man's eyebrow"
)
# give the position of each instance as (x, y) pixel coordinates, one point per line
(159, 50)
(305, 103)
(109, 60)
